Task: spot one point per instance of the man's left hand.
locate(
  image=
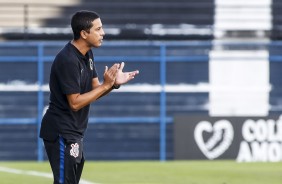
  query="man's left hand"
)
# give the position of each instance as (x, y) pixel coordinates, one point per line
(124, 77)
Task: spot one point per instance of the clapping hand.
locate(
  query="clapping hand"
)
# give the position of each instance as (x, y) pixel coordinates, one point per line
(124, 77)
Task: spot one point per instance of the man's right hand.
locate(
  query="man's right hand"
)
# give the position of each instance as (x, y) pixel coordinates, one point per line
(110, 75)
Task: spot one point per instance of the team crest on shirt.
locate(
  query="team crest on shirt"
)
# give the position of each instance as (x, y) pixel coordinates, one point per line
(91, 63)
(74, 150)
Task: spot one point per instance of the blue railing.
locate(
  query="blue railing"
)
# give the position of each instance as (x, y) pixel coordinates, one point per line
(162, 58)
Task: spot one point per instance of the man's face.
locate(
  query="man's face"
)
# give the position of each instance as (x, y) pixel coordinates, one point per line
(96, 34)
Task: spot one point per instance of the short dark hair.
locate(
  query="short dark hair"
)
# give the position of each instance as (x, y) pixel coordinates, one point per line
(82, 20)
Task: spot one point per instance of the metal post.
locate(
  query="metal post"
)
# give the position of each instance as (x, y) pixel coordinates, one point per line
(40, 98)
(25, 22)
(163, 104)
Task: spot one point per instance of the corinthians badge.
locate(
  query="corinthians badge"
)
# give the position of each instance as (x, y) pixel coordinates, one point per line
(74, 150)
(91, 63)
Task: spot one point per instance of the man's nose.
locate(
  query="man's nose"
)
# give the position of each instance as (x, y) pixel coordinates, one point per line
(103, 33)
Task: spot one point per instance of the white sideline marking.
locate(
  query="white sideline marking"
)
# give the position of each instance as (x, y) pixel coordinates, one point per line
(36, 173)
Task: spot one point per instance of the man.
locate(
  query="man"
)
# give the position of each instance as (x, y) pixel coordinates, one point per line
(74, 84)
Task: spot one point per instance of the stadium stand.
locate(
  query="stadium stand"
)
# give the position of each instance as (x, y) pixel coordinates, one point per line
(123, 19)
(213, 21)
(276, 32)
(192, 72)
(20, 101)
(240, 19)
(275, 52)
(20, 142)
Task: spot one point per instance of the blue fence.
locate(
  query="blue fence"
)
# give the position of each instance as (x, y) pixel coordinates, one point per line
(157, 52)
(161, 57)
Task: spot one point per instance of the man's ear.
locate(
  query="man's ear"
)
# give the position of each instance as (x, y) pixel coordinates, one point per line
(83, 34)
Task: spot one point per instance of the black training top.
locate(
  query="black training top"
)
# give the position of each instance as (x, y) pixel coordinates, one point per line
(71, 73)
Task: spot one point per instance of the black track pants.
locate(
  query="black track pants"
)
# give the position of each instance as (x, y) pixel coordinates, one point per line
(66, 160)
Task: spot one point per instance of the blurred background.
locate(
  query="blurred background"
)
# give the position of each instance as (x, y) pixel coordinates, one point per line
(200, 62)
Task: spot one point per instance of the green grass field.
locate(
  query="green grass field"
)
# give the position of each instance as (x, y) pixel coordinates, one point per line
(151, 172)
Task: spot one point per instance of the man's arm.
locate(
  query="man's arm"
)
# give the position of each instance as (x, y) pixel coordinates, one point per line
(78, 101)
(113, 76)
(96, 84)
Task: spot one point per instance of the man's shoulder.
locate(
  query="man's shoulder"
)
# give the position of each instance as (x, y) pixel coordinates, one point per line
(66, 55)
(66, 51)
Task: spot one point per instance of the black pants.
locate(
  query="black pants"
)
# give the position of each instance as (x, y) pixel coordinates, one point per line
(66, 160)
